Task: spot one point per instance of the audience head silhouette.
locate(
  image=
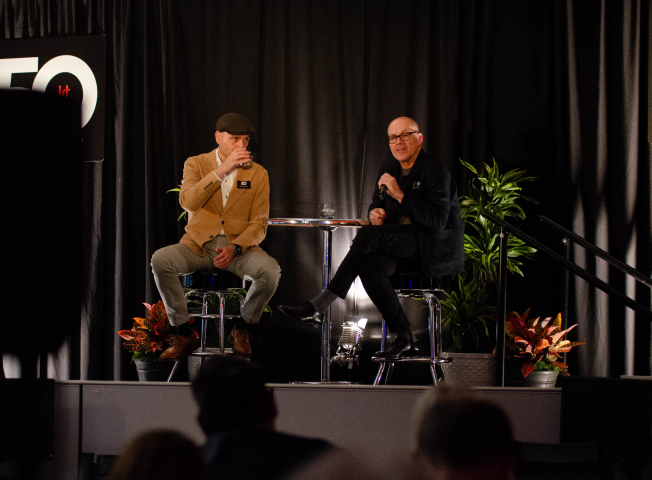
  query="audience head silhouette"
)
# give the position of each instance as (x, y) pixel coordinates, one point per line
(237, 413)
(231, 393)
(160, 455)
(464, 436)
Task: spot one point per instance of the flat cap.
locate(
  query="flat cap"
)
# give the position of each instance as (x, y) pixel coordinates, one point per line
(235, 124)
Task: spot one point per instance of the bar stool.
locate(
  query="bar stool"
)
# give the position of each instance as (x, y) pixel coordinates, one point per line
(203, 285)
(417, 285)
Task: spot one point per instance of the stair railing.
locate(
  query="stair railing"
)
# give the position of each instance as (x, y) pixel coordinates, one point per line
(505, 230)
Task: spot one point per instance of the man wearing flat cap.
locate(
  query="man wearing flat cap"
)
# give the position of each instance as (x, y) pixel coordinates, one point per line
(226, 196)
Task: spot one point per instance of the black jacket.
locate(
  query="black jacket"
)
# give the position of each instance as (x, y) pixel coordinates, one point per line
(243, 454)
(432, 205)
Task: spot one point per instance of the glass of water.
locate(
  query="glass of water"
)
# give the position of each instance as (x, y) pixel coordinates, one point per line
(327, 210)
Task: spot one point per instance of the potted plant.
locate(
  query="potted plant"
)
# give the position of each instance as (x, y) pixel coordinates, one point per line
(467, 313)
(466, 310)
(534, 348)
(147, 339)
(500, 195)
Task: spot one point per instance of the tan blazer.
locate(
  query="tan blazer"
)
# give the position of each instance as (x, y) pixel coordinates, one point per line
(244, 218)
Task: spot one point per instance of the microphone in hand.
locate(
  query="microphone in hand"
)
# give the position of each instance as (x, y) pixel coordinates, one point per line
(383, 192)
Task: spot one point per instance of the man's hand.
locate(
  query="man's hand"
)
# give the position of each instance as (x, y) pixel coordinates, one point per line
(377, 216)
(224, 256)
(392, 186)
(237, 157)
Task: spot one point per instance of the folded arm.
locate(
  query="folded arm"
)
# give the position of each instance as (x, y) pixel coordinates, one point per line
(195, 189)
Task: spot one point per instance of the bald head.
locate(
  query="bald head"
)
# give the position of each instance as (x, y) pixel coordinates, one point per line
(403, 122)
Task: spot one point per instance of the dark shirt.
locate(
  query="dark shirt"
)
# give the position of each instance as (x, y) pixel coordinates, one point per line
(430, 201)
(258, 454)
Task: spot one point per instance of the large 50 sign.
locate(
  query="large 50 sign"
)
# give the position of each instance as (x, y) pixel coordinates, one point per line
(61, 64)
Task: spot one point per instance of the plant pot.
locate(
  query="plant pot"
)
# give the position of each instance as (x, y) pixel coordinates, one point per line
(542, 379)
(470, 369)
(153, 370)
(536, 379)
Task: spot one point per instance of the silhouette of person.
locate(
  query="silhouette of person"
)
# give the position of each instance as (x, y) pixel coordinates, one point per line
(160, 455)
(463, 436)
(237, 413)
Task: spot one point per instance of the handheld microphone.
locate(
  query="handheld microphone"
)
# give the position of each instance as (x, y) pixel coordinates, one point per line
(383, 192)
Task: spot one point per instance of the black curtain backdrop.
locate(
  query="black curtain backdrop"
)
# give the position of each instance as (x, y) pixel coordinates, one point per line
(557, 88)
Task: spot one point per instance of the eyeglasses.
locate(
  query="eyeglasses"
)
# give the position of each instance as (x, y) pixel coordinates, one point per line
(403, 136)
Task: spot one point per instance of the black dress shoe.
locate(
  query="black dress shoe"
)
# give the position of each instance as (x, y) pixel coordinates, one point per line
(401, 347)
(303, 313)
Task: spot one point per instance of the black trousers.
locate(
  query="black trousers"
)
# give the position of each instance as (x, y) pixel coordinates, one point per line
(377, 252)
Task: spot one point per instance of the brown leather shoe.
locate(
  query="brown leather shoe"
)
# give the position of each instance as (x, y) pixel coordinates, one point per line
(241, 343)
(179, 346)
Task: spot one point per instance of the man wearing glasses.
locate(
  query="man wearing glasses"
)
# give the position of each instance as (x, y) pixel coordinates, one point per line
(415, 226)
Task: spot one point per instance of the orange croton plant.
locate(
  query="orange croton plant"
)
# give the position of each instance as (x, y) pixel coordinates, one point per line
(536, 341)
(149, 336)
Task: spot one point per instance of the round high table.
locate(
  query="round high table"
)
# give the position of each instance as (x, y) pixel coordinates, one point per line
(327, 225)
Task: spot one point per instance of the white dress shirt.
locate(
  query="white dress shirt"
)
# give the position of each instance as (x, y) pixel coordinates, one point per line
(227, 183)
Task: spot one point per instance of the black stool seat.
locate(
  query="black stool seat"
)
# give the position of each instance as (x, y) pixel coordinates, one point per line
(416, 280)
(213, 279)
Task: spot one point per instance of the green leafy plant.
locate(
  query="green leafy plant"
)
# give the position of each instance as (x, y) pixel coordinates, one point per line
(467, 312)
(184, 214)
(482, 253)
(538, 345)
(497, 193)
(500, 194)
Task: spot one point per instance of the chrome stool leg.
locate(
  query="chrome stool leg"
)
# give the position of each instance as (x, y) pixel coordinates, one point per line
(390, 368)
(434, 328)
(174, 369)
(222, 312)
(203, 317)
(435, 359)
(379, 375)
(381, 367)
(204, 322)
(383, 340)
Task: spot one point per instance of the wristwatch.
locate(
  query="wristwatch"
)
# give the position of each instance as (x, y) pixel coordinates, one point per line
(237, 249)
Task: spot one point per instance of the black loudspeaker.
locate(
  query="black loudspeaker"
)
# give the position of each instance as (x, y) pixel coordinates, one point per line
(27, 419)
(41, 162)
(614, 413)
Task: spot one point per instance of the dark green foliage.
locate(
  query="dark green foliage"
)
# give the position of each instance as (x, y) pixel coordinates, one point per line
(498, 194)
(466, 309)
(467, 312)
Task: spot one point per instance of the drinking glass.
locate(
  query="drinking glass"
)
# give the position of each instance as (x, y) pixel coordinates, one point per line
(327, 210)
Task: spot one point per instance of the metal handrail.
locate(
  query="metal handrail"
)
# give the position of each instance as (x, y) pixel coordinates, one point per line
(598, 251)
(505, 230)
(569, 265)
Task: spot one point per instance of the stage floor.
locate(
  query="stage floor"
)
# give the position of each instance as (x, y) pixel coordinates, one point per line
(101, 417)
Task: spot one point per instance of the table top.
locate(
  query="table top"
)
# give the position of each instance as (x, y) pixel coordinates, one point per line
(317, 222)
